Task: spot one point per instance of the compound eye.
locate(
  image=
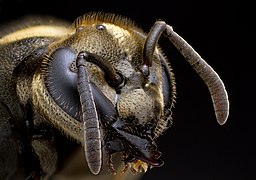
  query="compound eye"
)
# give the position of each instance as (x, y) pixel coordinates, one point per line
(61, 81)
(100, 27)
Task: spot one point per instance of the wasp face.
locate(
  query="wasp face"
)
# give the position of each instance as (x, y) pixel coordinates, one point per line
(137, 98)
(125, 95)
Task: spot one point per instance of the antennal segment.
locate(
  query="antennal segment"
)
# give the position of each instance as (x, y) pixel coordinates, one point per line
(92, 142)
(209, 76)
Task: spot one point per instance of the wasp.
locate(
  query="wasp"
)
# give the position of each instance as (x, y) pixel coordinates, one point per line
(102, 83)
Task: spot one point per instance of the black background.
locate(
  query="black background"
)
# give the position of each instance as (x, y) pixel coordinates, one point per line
(195, 147)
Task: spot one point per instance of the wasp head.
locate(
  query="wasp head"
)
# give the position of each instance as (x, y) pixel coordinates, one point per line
(107, 84)
(130, 96)
(101, 91)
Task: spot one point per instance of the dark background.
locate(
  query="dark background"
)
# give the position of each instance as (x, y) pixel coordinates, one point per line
(195, 147)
